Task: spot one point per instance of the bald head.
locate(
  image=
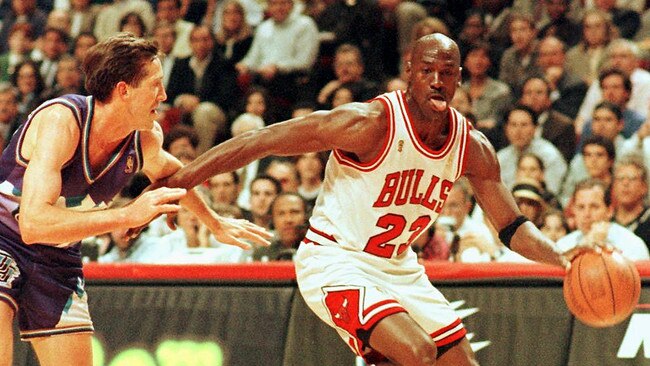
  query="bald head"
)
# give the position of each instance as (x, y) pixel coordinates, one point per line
(436, 42)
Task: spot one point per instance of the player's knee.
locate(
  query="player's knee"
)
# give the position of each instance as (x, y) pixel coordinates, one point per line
(422, 353)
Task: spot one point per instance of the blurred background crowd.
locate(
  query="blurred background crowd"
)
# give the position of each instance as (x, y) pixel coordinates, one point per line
(560, 87)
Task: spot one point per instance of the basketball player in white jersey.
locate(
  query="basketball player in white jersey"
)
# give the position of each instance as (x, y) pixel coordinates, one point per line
(392, 165)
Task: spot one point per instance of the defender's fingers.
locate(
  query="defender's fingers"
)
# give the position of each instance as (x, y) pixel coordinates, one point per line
(169, 208)
(256, 238)
(165, 194)
(237, 242)
(260, 231)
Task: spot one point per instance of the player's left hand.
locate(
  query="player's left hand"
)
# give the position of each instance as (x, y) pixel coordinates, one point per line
(133, 232)
(239, 232)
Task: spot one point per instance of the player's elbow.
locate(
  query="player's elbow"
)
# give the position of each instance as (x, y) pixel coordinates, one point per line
(29, 231)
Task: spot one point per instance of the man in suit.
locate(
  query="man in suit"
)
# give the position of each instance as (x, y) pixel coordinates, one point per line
(204, 86)
(54, 45)
(567, 89)
(552, 125)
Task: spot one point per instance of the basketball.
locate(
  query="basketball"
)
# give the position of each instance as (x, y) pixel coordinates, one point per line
(602, 289)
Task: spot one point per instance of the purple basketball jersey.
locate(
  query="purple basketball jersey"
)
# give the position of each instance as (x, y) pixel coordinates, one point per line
(83, 188)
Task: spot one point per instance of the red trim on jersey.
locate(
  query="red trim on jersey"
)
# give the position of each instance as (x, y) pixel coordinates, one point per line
(464, 143)
(460, 333)
(324, 235)
(376, 305)
(383, 314)
(421, 146)
(445, 329)
(343, 159)
(452, 338)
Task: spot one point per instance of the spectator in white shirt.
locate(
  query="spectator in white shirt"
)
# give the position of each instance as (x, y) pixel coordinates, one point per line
(592, 209)
(520, 125)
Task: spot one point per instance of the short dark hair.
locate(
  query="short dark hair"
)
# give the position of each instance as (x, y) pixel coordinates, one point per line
(121, 57)
(40, 83)
(65, 37)
(548, 86)
(479, 45)
(276, 183)
(627, 83)
(521, 107)
(607, 144)
(180, 131)
(612, 107)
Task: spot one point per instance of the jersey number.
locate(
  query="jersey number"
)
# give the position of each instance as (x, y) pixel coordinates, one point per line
(394, 224)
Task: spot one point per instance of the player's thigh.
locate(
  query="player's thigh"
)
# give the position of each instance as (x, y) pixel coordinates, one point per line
(459, 355)
(6, 334)
(65, 349)
(402, 340)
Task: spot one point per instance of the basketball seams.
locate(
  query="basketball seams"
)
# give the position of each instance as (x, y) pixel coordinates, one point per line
(581, 283)
(611, 284)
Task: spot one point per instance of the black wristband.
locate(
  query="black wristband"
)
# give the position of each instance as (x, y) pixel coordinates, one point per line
(505, 235)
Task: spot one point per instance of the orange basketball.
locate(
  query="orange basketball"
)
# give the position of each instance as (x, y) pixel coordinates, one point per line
(602, 289)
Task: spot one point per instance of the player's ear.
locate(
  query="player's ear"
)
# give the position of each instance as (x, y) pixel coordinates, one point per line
(122, 89)
(460, 75)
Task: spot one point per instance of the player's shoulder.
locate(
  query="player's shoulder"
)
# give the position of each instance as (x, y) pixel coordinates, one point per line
(359, 111)
(481, 158)
(479, 143)
(56, 116)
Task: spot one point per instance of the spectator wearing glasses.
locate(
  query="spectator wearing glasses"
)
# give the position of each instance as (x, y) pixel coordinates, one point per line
(630, 190)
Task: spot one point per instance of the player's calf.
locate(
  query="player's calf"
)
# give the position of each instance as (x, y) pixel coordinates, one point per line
(6, 334)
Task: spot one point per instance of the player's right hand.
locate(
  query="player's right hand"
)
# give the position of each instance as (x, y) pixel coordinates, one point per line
(153, 203)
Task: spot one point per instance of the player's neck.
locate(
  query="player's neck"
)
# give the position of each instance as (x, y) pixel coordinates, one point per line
(107, 120)
(433, 130)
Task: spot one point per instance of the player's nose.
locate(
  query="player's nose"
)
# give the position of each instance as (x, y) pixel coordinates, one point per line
(435, 79)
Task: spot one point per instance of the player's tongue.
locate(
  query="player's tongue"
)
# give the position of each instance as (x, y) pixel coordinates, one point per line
(439, 103)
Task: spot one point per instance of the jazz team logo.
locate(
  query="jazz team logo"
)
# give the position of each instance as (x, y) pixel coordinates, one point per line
(8, 270)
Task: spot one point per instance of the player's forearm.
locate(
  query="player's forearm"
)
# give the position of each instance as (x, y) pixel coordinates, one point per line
(54, 226)
(532, 244)
(225, 157)
(195, 204)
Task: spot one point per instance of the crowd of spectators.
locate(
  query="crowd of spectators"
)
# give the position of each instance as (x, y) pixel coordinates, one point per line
(560, 88)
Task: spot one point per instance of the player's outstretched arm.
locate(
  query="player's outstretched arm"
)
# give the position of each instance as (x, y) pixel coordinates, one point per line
(354, 127)
(50, 142)
(159, 164)
(483, 173)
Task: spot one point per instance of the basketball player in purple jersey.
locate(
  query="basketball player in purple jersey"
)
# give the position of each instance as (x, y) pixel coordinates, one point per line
(61, 168)
(392, 165)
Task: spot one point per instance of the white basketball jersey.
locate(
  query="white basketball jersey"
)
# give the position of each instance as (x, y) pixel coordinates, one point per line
(381, 206)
